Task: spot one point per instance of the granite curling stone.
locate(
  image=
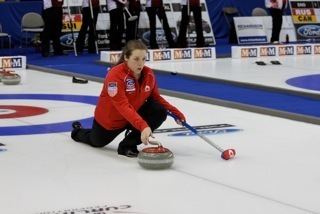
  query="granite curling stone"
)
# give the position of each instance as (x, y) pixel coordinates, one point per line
(157, 157)
(10, 78)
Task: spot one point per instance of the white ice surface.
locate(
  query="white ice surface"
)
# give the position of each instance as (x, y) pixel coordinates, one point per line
(276, 169)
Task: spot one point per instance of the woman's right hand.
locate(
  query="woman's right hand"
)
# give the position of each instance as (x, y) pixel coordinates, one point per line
(145, 134)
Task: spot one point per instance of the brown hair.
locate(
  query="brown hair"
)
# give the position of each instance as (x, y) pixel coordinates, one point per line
(130, 47)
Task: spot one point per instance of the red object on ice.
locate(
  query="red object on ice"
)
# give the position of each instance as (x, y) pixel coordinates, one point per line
(228, 154)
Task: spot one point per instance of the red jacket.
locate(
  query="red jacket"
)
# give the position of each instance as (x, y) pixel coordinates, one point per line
(122, 96)
(95, 3)
(57, 3)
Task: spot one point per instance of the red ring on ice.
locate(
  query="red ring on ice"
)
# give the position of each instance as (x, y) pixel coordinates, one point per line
(15, 111)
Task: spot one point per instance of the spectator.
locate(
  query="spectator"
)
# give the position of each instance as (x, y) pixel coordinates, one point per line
(155, 8)
(88, 22)
(276, 8)
(52, 17)
(115, 8)
(134, 8)
(187, 7)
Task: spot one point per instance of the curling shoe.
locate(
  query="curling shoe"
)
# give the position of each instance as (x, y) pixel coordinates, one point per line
(76, 125)
(131, 152)
(78, 80)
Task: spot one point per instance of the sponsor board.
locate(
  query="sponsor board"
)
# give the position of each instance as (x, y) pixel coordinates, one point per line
(249, 52)
(258, 30)
(160, 36)
(161, 55)
(72, 22)
(239, 52)
(304, 49)
(110, 56)
(268, 51)
(308, 32)
(166, 55)
(114, 57)
(204, 53)
(14, 62)
(250, 30)
(316, 49)
(66, 40)
(286, 50)
(182, 54)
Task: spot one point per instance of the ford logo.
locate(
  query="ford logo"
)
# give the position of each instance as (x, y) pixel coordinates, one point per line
(309, 31)
(67, 40)
(160, 36)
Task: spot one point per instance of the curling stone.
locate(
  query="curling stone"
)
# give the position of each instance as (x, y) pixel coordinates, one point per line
(157, 157)
(10, 78)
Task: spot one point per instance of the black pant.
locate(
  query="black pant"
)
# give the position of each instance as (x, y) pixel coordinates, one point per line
(116, 28)
(88, 22)
(276, 15)
(185, 18)
(152, 112)
(160, 12)
(52, 18)
(132, 26)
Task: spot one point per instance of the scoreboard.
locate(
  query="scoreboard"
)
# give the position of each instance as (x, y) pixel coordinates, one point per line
(306, 18)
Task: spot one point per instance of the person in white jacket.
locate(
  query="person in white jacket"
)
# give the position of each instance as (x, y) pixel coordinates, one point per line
(276, 8)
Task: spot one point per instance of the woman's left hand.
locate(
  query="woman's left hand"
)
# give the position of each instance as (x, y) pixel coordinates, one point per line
(178, 116)
(179, 122)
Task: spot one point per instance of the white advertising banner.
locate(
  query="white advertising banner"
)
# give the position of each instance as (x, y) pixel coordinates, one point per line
(250, 30)
(17, 64)
(166, 55)
(257, 30)
(13, 62)
(282, 50)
